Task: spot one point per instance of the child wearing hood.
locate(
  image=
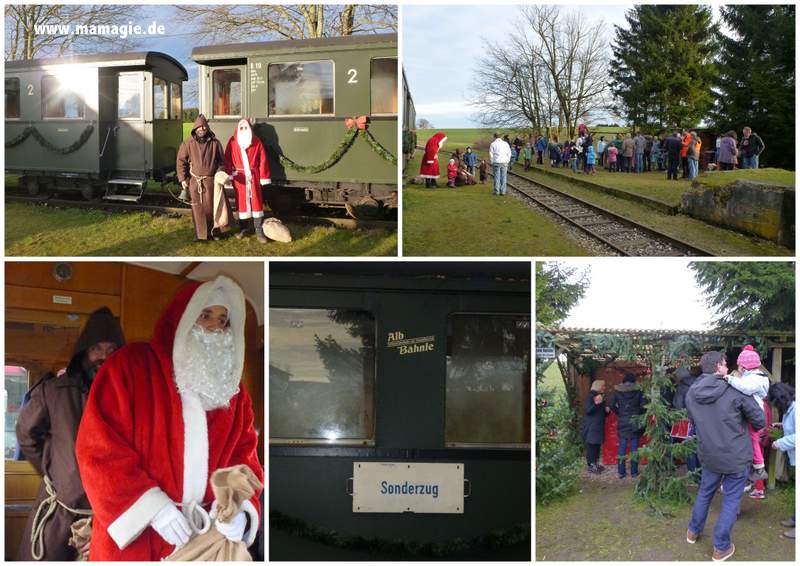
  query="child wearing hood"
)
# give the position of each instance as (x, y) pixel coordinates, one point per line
(754, 381)
(452, 172)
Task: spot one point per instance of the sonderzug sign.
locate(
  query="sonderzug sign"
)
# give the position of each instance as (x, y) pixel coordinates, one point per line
(406, 345)
(401, 487)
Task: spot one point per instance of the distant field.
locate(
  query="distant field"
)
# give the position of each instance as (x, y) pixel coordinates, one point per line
(462, 137)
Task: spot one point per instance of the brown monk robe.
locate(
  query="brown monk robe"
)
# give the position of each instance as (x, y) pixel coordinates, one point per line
(200, 157)
(47, 428)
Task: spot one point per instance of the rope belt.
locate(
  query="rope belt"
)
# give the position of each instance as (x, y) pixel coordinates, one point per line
(201, 187)
(49, 505)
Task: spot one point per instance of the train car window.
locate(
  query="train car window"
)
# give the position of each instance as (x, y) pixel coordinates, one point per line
(383, 86)
(175, 101)
(129, 96)
(12, 98)
(301, 89)
(321, 375)
(16, 386)
(160, 99)
(488, 374)
(61, 98)
(227, 92)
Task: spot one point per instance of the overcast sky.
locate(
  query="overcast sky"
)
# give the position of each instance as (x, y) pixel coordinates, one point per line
(648, 293)
(442, 45)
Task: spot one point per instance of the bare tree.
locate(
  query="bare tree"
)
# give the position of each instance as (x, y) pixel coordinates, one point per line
(550, 73)
(295, 21)
(424, 124)
(42, 30)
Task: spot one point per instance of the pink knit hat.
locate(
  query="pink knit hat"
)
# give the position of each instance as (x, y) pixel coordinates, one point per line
(749, 359)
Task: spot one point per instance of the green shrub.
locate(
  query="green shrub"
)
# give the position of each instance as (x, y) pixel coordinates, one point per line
(558, 464)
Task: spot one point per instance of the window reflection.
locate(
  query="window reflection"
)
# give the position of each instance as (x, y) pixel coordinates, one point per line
(62, 98)
(488, 379)
(301, 88)
(160, 109)
(16, 385)
(227, 92)
(321, 374)
(12, 98)
(383, 86)
(129, 100)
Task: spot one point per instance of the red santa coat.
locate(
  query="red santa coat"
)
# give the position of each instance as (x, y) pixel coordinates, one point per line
(141, 446)
(429, 168)
(249, 199)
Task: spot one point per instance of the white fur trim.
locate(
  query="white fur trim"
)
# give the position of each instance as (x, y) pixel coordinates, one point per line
(248, 181)
(258, 214)
(441, 143)
(195, 451)
(243, 215)
(250, 509)
(430, 176)
(431, 161)
(129, 525)
(265, 182)
(196, 305)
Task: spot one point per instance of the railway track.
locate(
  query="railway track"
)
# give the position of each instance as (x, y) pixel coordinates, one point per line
(624, 236)
(158, 204)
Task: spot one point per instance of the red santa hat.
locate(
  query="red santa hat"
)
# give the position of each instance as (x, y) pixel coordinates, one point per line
(244, 133)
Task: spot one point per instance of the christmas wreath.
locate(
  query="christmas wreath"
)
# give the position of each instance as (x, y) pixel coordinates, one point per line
(37, 135)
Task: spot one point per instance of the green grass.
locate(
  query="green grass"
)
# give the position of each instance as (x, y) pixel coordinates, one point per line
(604, 522)
(34, 230)
(470, 221)
(462, 137)
(718, 241)
(552, 378)
(766, 175)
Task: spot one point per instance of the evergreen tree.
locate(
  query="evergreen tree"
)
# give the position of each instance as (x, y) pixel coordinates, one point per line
(558, 289)
(662, 69)
(749, 295)
(755, 86)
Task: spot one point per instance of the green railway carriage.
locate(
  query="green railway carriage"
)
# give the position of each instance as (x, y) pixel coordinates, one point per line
(107, 121)
(409, 122)
(300, 96)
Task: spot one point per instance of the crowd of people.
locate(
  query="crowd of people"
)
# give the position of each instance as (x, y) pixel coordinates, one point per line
(728, 415)
(636, 152)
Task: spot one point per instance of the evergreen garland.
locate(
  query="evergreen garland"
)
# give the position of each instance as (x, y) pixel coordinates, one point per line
(518, 534)
(339, 152)
(33, 131)
(378, 148)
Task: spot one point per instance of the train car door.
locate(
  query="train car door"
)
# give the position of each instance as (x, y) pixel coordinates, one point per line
(167, 125)
(133, 124)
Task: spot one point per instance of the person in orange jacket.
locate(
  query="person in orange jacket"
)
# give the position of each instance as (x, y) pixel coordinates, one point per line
(686, 138)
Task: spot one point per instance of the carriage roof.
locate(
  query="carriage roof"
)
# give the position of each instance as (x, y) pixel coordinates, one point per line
(242, 50)
(148, 59)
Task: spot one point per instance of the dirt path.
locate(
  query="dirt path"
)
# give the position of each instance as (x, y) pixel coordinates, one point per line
(604, 522)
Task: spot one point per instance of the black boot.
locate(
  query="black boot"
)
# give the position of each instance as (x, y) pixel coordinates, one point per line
(257, 224)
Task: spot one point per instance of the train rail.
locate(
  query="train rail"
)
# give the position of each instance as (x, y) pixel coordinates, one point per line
(624, 236)
(158, 204)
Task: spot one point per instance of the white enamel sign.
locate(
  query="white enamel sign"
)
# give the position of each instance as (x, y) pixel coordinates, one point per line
(400, 487)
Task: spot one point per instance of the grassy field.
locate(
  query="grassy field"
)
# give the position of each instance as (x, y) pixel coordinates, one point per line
(766, 175)
(603, 522)
(470, 221)
(462, 137)
(552, 378)
(33, 230)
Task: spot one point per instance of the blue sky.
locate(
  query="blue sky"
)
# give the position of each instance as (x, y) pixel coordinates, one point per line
(442, 44)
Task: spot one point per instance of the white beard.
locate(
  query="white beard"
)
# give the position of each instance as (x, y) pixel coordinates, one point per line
(207, 369)
(244, 137)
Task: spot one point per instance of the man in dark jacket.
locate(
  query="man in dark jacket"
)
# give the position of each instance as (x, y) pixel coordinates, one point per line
(627, 403)
(685, 381)
(672, 147)
(47, 428)
(593, 426)
(720, 415)
(751, 147)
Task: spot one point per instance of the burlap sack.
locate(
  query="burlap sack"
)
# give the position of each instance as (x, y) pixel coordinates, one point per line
(81, 534)
(276, 230)
(221, 218)
(231, 487)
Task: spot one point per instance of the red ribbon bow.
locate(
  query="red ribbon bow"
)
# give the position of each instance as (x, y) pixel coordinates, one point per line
(362, 122)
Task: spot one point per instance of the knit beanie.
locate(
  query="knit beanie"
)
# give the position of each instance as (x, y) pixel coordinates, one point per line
(749, 358)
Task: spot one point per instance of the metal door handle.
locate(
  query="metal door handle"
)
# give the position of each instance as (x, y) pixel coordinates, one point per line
(467, 488)
(349, 487)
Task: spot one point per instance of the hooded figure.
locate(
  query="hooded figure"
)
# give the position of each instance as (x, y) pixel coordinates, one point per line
(162, 417)
(47, 428)
(429, 169)
(246, 161)
(200, 157)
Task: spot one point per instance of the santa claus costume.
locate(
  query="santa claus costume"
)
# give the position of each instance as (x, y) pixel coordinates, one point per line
(161, 418)
(246, 161)
(429, 168)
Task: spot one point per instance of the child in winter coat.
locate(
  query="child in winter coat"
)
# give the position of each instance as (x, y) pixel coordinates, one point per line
(590, 159)
(452, 173)
(514, 156)
(573, 157)
(755, 382)
(612, 157)
(484, 170)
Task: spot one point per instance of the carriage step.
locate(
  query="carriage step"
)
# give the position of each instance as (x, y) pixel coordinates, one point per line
(125, 198)
(132, 182)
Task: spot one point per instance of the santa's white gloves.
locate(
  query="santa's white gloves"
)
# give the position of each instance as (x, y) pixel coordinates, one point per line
(172, 525)
(233, 530)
